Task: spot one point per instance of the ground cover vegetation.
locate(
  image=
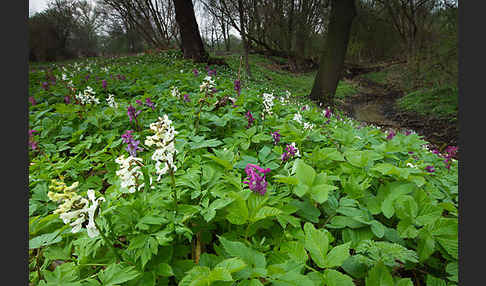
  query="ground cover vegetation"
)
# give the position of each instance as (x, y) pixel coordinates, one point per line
(154, 170)
(203, 146)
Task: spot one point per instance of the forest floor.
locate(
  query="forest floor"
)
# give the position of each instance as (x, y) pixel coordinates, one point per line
(374, 94)
(376, 102)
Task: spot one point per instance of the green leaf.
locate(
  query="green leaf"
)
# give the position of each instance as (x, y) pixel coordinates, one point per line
(164, 270)
(337, 255)
(231, 265)
(379, 275)
(251, 257)
(425, 246)
(336, 278)
(317, 243)
(205, 144)
(64, 274)
(404, 282)
(407, 229)
(377, 228)
(45, 239)
(433, 281)
(320, 193)
(453, 270)
(237, 211)
(295, 250)
(395, 190)
(304, 173)
(117, 273)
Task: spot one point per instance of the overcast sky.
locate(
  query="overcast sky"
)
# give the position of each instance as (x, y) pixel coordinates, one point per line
(37, 5)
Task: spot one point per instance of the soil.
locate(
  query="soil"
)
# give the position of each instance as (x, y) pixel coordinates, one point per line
(375, 104)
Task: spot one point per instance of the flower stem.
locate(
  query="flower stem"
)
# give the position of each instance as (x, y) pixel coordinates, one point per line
(106, 241)
(173, 186)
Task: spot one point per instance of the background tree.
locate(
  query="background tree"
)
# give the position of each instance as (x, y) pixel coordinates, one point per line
(191, 42)
(333, 55)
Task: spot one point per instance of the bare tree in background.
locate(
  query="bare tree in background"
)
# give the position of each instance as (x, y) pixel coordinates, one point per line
(153, 19)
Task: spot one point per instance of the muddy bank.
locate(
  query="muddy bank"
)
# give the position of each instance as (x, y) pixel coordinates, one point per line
(375, 104)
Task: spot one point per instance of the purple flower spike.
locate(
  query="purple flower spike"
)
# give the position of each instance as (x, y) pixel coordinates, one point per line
(103, 82)
(328, 112)
(430, 169)
(250, 119)
(390, 135)
(149, 103)
(139, 102)
(237, 85)
(132, 113)
(33, 145)
(67, 99)
(32, 100)
(196, 73)
(255, 181)
(132, 147)
(127, 136)
(186, 97)
(276, 137)
(45, 85)
(87, 77)
(290, 151)
(408, 132)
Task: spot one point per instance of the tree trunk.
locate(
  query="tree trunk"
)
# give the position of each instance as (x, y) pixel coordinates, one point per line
(243, 36)
(192, 45)
(332, 57)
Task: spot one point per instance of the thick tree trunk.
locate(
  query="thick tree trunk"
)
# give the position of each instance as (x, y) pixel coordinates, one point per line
(332, 58)
(243, 36)
(192, 45)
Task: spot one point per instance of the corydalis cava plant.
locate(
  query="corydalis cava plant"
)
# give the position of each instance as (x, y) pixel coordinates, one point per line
(256, 178)
(87, 96)
(163, 140)
(267, 104)
(130, 174)
(75, 210)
